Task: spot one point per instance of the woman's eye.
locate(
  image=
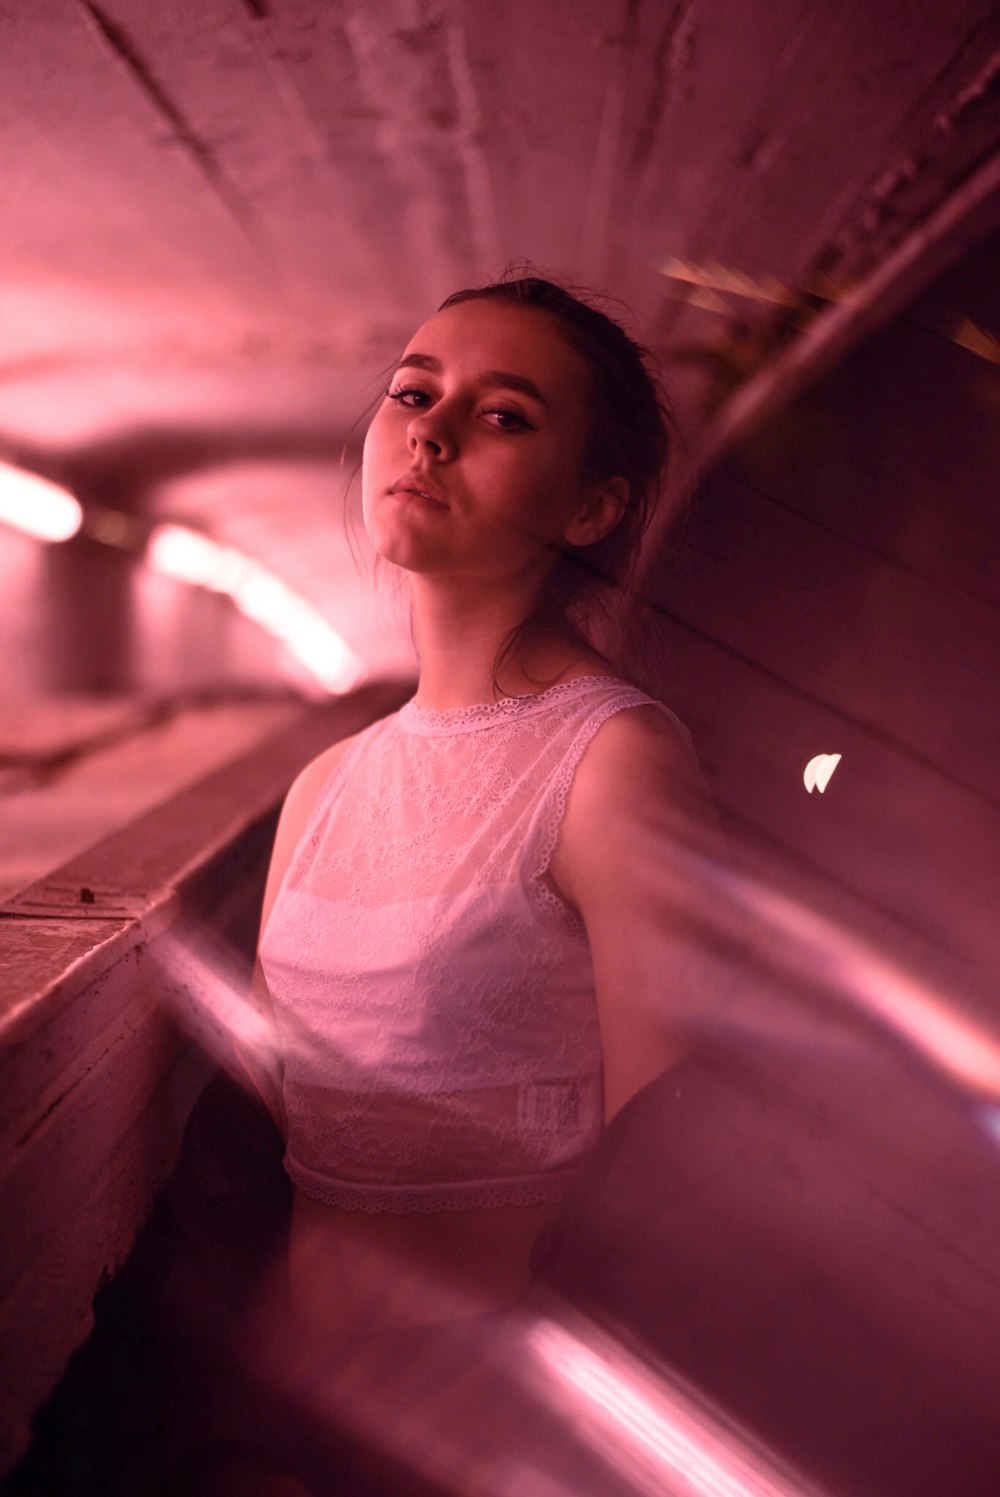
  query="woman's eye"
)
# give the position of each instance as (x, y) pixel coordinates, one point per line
(409, 395)
(505, 420)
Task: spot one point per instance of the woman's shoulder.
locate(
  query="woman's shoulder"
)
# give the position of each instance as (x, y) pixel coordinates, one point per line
(642, 744)
(605, 678)
(318, 770)
(310, 782)
(637, 787)
(639, 767)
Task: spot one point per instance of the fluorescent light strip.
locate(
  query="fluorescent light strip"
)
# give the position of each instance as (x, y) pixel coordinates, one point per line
(37, 507)
(189, 556)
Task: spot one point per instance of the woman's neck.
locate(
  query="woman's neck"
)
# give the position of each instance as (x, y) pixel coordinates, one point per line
(459, 636)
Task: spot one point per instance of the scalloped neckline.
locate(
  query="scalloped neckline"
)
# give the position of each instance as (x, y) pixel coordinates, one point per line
(412, 715)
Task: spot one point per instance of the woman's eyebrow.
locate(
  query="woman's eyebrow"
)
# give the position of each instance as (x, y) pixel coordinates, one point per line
(493, 379)
(490, 379)
(421, 361)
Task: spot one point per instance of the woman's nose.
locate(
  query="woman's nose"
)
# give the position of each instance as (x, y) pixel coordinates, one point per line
(430, 432)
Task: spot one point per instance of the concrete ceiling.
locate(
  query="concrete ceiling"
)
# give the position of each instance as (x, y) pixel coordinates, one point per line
(223, 217)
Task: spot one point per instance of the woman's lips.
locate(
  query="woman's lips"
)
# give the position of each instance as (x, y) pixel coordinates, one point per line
(419, 489)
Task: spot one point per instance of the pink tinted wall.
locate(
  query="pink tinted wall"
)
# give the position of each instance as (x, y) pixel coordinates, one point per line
(836, 590)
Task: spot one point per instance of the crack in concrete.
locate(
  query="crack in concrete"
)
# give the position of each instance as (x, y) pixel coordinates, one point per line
(38, 1122)
(117, 38)
(671, 59)
(605, 186)
(469, 137)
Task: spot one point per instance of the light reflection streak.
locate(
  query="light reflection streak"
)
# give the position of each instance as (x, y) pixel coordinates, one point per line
(211, 996)
(625, 1408)
(854, 974)
(764, 934)
(644, 1424)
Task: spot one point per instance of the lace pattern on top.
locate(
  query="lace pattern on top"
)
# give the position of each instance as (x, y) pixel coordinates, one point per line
(433, 992)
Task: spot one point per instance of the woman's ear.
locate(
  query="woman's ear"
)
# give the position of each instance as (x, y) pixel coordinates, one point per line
(603, 505)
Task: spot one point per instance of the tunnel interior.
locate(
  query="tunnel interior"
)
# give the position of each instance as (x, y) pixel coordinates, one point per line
(226, 222)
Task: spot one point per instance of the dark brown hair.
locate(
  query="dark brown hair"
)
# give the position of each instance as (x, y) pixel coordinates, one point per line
(630, 437)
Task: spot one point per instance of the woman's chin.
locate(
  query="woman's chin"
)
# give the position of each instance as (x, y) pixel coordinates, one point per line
(397, 540)
(409, 559)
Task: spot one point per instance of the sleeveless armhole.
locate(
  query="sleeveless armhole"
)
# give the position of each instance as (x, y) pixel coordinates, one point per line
(328, 793)
(544, 833)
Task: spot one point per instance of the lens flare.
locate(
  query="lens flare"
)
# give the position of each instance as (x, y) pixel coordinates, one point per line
(652, 1429)
(771, 933)
(209, 990)
(817, 773)
(643, 1424)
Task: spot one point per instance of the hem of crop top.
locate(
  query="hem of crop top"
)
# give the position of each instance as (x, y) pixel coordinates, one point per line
(461, 1195)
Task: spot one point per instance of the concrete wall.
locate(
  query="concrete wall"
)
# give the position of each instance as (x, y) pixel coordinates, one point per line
(835, 590)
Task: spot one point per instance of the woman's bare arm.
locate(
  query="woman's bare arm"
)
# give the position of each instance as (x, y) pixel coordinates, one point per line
(636, 812)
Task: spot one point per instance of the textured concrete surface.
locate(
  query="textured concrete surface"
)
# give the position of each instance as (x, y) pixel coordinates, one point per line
(75, 768)
(96, 1026)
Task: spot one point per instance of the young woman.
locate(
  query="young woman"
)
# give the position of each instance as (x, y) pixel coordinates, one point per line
(463, 925)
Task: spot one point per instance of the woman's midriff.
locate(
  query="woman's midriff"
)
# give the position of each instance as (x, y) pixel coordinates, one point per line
(357, 1272)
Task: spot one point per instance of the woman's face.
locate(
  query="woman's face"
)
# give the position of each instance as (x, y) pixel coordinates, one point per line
(473, 463)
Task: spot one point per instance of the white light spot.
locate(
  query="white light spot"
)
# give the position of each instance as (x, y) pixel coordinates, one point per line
(819, 770)
(37, 507)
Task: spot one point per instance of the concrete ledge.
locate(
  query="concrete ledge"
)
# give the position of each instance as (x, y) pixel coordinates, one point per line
(98, 1076)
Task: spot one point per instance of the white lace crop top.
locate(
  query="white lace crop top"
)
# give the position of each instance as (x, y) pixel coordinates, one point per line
(433, 993)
